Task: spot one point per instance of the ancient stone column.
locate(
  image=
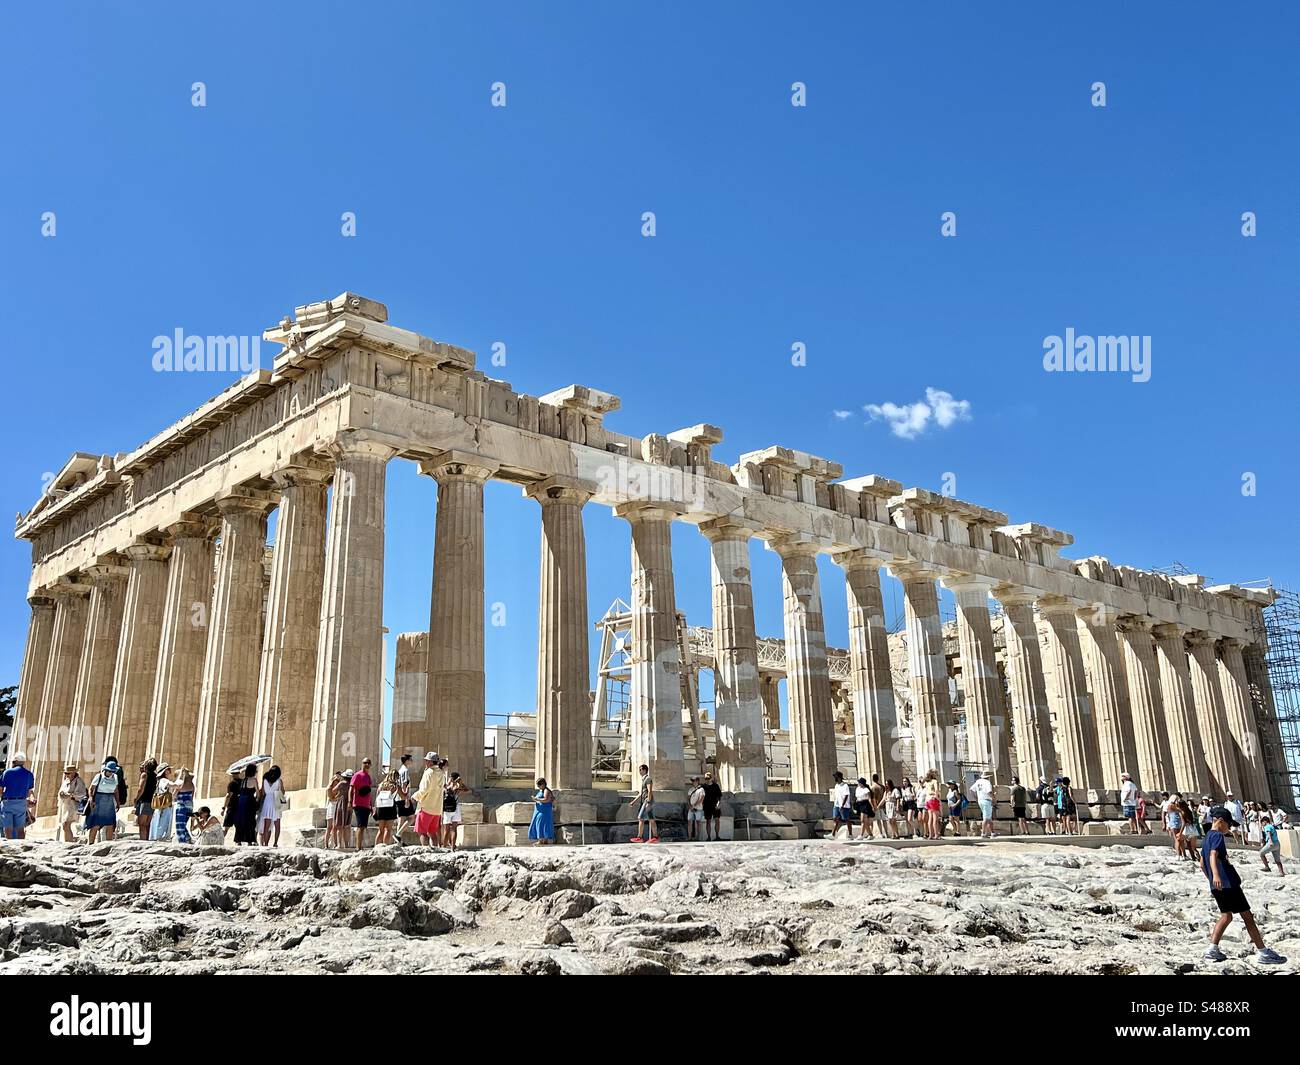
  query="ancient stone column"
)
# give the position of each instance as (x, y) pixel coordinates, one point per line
(291, 631)
(875, 716)
(927, 669)
(1031, 714)
(131, 703)
(1247, 747)
(1211, 717)
(741, 759)
(986, 716)
(455, 703)
(228, 702)
(182, 643)
(87, 736)
(1153, 770)
(410, 696)
(656, 695)
(31, 681)
(52, 744)
(563, 747)
(1108, 684)
(1185, 746)
(808, 686)
(1076, 727)
(769, 687)
(348, 707)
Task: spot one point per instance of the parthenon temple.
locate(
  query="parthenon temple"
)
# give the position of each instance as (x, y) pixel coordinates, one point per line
(162, 623)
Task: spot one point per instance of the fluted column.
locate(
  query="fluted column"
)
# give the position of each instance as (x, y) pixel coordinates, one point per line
(182, 642)
(31, 681)
(137, 657)
(927, 669)
(410, 696)
(87, 736)
(985, 706)
(1108, 684)
(769, 687)
(1191, 776)
(808, 685)
(1154, 768)
(1030, 712)
(1211, 717)
(228, 701)
(50, 745)
(455, 701)
(563, 671)
(1264, 714)
(347, 707)
(740, 756)
(875, 715)
(656, 695)
(1247, 748)
(1076, 726)
(291, 632)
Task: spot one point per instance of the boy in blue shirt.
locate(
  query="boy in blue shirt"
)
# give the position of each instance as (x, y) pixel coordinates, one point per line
(1225, 886)
(1272, 844)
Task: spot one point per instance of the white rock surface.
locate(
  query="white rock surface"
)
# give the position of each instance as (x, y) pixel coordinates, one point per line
(725, 908)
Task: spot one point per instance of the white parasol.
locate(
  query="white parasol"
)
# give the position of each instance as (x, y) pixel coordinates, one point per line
(244, 763)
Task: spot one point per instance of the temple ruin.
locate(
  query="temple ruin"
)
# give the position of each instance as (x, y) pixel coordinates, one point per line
(161, 623)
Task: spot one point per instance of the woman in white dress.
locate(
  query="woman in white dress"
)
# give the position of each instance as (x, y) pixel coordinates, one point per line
(164, 804)
(272, 789)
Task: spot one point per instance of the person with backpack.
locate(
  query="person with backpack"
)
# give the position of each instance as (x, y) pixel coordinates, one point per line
(101, 810)
(362, 802)
(1066, 811)
(164, 801)
(451, 812)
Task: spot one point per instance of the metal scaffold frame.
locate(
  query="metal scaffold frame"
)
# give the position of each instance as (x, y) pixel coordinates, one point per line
(1282, 631)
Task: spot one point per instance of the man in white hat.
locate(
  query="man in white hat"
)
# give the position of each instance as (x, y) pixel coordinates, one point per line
(1128, 801)
(17, 783)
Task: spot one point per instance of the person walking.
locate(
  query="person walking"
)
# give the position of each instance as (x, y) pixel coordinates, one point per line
(863, 808)
(841, 806)
(877, 804)
(893, 806)
(712, 808)
(184, 804)
(954, 799)
(931, 792)
(982, 791)
(1045, 796)
(1272, 844)
(541, 830)
(164, 802)
(16, 784)
(362, 801)
(1225, 887)
(644, 801)
(272, 803)
(428, 802)
(72, 801)
(695, 810)
(1128, 801)
(451, 811)
(1019, 805)
(101, 809)
(142, 804)
(405, 802)
(386, 799)
(247, 804)
(908, 792)
(1144, 829)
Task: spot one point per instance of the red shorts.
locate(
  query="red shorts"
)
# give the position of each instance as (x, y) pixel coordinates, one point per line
(932, 804)
(427, 824)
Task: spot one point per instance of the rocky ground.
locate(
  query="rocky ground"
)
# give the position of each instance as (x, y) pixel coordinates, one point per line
(787, 907)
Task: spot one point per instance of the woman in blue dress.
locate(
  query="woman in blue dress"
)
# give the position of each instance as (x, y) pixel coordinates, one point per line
(542, 828)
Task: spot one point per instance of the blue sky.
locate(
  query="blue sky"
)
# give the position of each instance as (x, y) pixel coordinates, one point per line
(775, 225)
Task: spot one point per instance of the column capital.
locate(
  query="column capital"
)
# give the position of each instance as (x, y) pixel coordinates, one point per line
(350, 444)
(859, 559)
(41, 600)
(64, 588)
(1097, 614)
(106, 569)
(147, 551)
(1166, 630)
(726, 528)
(642, 510)
(1199, 638)
(459, 466)
(792, 547)
(559, 489)
(1012, 595)
(1057, 604)
(301, 473)
(1232, 641)
(913, 572)
(191, 526)
(960, 582)
(1134, 623)
(237, 499)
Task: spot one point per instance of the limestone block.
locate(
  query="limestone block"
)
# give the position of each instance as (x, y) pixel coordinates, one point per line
(1290, 841)
(581, 834)
(776, 832)
(513, 813)
(478, 834)
(471, 813)
(1095, 828)
(569, 813)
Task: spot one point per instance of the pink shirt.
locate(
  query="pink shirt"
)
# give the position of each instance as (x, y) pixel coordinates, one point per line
(361, 779)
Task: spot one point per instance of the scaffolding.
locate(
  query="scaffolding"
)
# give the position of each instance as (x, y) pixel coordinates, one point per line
(1280, 715)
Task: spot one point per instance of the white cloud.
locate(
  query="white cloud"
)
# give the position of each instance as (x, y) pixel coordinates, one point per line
(842, 414)
(909, 420)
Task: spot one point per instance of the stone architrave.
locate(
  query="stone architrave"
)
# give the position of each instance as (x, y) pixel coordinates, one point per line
(1076, 727)
(740, 756)
(455, 701)
(348, 703)
(1211, 718)
(291, 631)
(563, 704)
(88, 733)
(875, 714)
(182, 642)
(656, 694)
(927, 669)
(1031, 714)
(1153, 771)
(1108, 685)
(1185, 745)
(137, 658)
(808, 685)
(50, 745)
(1246, 743)
(986, 717)
(228, 702)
